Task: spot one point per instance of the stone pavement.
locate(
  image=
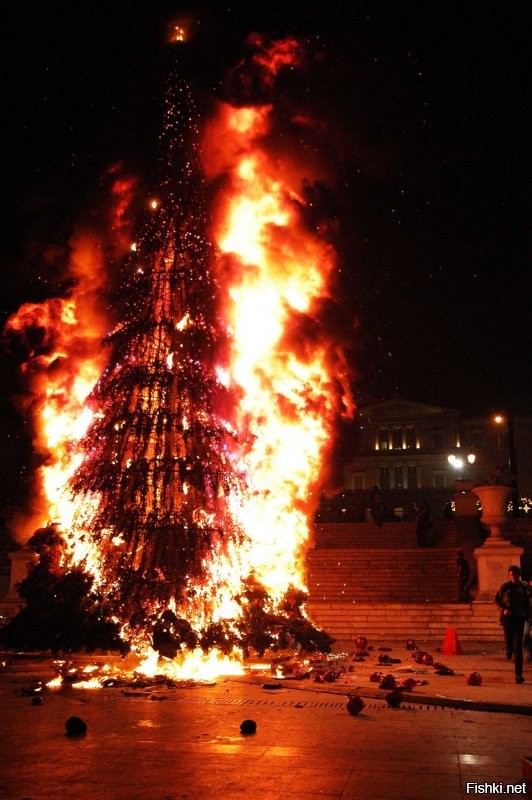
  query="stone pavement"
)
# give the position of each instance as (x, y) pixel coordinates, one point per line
(185, 743)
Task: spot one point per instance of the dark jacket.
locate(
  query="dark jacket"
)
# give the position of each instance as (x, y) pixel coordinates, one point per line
(515, 597)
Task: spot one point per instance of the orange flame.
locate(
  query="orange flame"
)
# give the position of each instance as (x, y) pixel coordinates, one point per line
(274, 274)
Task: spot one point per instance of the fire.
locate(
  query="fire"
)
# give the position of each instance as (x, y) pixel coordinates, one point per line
(274, 274)
(194, 665)
(279, 271)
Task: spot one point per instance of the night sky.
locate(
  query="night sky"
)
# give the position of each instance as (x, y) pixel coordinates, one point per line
(427, 110)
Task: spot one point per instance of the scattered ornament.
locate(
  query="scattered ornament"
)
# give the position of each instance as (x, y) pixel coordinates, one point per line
(361, 642)
(384, 658)
(394, 698)
(428, 659)
(418, 655)
(248, 726)
(410, 644)
(474, 679)
(388, 682)
(75, 726)
(442, 669)
(409, 684)
(355, 704)
(376, 677)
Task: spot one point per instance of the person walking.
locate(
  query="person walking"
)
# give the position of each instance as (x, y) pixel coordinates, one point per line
(513, 598)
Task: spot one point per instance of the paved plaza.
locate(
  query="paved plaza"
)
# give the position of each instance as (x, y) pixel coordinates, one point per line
(446, 741)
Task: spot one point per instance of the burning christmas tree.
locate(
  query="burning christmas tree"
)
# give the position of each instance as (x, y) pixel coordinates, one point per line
(193, 488)
(159, 457)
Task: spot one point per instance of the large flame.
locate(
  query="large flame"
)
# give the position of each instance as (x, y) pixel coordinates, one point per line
(274, 273)
(62, 338)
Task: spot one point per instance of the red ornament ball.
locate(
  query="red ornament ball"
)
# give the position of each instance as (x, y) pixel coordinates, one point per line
(428, 659)
(417, 655)
(474, 679)
(361, 642)
(409, 684)
(410, 644)
(388, 682)
(355, 704)
(376, 677)
(394, 698)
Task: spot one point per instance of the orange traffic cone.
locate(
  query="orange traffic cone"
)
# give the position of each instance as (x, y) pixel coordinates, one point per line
(451, 646)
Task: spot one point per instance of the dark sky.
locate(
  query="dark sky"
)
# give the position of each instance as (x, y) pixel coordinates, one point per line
(429, 102)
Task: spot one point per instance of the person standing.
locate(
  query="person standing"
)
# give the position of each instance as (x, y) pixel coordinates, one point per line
(424, 523)
(513, 598)
(464, 573)
(377, 507)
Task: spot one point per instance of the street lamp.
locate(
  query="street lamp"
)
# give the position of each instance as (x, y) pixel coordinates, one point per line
(458, 463)
(499, 420)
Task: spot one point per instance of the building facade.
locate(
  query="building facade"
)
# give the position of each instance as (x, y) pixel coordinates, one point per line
(409, 447)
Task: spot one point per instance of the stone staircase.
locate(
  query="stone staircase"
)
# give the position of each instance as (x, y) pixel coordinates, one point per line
(401, 575)
(390, 535)
(378, 583)
(392, 622)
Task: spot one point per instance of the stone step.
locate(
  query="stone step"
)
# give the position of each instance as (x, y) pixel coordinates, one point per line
(402, 575)
(391, 534)
(346, 621)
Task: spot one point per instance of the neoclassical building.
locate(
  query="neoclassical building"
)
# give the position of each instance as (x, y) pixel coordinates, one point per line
(406, 447)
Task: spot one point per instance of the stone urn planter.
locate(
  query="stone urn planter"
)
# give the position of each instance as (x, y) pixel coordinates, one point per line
(494, 501)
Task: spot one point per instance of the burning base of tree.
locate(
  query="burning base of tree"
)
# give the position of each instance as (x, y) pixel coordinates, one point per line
(63, 614)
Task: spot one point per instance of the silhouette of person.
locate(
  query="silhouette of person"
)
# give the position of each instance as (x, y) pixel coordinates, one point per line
(377, 507)
(464, 573)
(424, 523)
(513, 598)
